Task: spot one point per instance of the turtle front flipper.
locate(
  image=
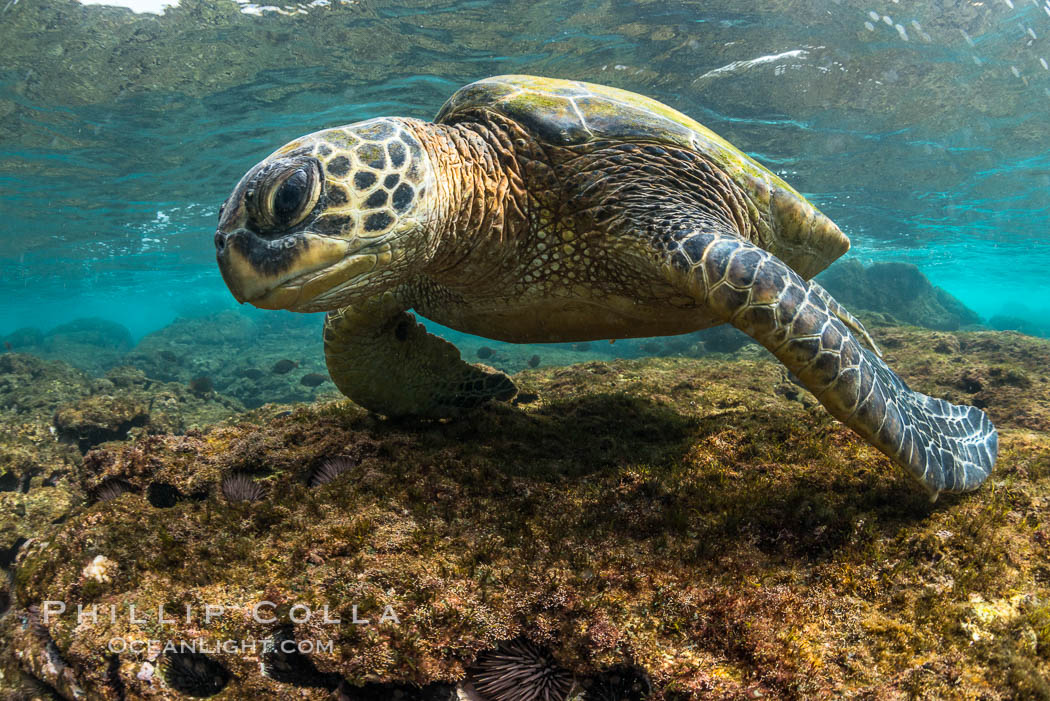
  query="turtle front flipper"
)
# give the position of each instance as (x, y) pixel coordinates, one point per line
(946, 447)
(843, 314)
(382, 359)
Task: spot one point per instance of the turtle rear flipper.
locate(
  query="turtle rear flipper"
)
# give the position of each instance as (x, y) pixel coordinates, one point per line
(382, 359)
(947, 447)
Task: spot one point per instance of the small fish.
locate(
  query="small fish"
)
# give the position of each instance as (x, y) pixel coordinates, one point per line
(8, 346)
(282, 367)
(485, 352)
(167, 356)
(201, 385)
(534, 361)
(581, 346)
(313, 379)
(252, 373)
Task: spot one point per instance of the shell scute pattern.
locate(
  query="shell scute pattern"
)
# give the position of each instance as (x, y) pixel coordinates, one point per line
(339, 166)
(341, 141)
(567, 112)
(372, 154)
(364, 179)
(377, 130)
(337, 196)
(374, 174)
(402, 197)
(396, 151)
(377, 199)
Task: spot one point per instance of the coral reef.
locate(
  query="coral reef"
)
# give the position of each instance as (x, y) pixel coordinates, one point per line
(700, 526)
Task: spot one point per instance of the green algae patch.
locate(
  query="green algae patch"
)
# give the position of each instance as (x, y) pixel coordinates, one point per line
(703, 520)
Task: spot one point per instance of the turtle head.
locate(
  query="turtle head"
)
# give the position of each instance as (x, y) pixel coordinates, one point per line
(329, 219)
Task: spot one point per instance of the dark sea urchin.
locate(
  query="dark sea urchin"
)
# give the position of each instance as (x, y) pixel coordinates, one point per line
(520, 670)
(283, 662)
(111, 489)
(238, 486)
(330, 469)
(194, 674)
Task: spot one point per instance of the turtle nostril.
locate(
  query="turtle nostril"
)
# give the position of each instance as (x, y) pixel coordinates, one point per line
(220, 241)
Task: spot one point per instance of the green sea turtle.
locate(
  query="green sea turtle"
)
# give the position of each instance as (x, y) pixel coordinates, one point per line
(536, 210)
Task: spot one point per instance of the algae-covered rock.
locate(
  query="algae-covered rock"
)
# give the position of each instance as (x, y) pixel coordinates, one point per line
(100, 418)
(24, 515)
(28, 451)
(126, 400)
(677, 517)
(898, 289)
(39, 483)
(32, 387)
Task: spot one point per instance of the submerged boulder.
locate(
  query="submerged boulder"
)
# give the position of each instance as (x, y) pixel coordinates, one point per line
(126, 401)
(1005, 322)
(99, 418)
(25, 337)
(92, 331)
(92, 344)
(898, 289)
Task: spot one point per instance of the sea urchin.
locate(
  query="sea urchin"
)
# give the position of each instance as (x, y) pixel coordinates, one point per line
(111, 489)
(194, 674)
(330, 469)
(519, 670)
(240, 487)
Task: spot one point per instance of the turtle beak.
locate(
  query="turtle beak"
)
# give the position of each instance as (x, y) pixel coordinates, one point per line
(276, 274)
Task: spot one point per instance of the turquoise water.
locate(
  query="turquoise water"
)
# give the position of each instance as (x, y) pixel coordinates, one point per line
(926, 138)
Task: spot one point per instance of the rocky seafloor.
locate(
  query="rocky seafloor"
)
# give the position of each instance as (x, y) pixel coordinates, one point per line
(687, 526)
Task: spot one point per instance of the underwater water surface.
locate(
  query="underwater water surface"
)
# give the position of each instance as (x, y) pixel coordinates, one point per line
(922, 129)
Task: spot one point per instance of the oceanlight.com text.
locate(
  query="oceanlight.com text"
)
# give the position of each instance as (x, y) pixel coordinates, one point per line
(152, 648)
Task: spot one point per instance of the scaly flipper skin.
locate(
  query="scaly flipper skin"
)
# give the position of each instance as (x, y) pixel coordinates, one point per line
(948, 448)
(382, 359)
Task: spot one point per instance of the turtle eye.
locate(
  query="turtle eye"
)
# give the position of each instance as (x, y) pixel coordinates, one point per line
(291, 196)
